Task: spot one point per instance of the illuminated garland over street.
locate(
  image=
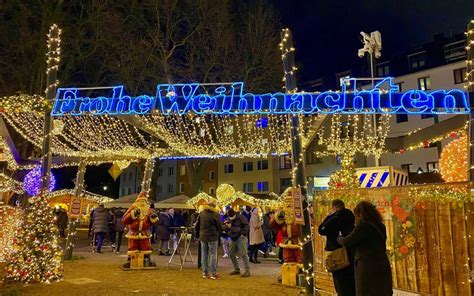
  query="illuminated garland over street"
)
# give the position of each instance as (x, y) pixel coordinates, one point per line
(426, 143)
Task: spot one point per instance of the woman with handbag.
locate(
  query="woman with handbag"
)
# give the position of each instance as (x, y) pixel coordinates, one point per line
(373, 275)
(339, 260)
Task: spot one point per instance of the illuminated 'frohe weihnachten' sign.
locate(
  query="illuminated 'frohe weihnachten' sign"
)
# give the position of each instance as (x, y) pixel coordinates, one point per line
(230, 99)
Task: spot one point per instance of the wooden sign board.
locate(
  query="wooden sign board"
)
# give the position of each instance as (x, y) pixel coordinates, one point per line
(297, 205)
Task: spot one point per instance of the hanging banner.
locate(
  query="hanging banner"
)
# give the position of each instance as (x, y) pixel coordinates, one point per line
(297, 205)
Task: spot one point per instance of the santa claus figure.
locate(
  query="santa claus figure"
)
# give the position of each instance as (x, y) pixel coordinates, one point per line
(290, 231)
(139, 218)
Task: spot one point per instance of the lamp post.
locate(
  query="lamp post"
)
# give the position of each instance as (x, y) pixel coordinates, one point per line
(297, 160)
(372, 46)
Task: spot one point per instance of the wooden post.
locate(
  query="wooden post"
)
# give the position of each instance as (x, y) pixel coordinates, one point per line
(297, 159)
(71, 232)
(53, 58)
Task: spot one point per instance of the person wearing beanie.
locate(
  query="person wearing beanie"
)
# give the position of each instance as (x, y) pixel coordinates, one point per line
(237, 228)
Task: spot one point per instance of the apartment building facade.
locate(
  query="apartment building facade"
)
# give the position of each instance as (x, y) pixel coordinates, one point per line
(166, 182)
(130, 180)
(250, 175)
(209, 177)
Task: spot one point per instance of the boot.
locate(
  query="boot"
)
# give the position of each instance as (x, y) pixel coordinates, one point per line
(127, 264)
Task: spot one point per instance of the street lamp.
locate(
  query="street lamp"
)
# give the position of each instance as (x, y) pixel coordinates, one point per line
(372, 46)
(105, 188)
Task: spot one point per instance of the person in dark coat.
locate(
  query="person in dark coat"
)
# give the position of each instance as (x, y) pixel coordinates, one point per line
(373, 275)
(340, 221)
(119, 228)
(100, 225)
(268, 233)
(153, 228)
(237, 228)
(208, 228)
(62, 221)
(163, 233)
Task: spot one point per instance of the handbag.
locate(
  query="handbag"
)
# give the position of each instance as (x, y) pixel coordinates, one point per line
(336, 260)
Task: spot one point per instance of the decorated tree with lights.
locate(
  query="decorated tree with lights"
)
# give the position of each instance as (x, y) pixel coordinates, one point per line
(36, 255)
(453, 161)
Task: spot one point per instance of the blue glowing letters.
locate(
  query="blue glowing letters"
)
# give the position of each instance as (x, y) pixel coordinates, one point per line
(230, 99)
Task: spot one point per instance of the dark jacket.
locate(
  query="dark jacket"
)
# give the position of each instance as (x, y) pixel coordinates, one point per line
(373, 276)
(163, 227)
(341, 221)
(208, 225)
(266, 226)
(62, 219)
(118, 223)
(239, 226)
(247, 215)
(101, 218)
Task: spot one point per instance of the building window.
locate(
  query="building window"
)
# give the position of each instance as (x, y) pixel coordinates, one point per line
(182, 170)
(248, 187)
(160, 172)
(400, 86)
(432, 166)
(130, 176)
(402, 118)
(284, 162)
(159, 189)
(262, 165)
(171, 171)
(123, 192)
(129, 190)
(170, 188)
(181, 187)
(228, 168)
(406, 166)
(212, 175)
(248, 166)
(284, 183)
(383, 70)
(424, 83)
(262, 186)
(460, 75)
(417, 60)
(211, 191)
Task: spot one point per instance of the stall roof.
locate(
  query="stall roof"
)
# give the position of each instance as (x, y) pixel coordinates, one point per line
(177, 202)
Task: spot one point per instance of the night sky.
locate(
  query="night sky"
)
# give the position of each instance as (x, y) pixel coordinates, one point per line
(326, 33)
(326, 37)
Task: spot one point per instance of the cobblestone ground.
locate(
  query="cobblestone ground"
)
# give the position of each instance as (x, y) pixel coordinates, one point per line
(99, 274)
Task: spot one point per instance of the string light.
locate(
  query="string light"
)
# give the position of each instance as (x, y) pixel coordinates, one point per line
(10, 221)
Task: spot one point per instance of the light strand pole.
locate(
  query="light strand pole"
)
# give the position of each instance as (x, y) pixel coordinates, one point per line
(72, 226)
(372, 46)
(470, 89)
(147, 175)
(297, 159)
(53, 59)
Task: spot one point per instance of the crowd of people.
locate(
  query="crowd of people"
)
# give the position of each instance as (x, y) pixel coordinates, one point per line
(242, 235)
(362, 237)
(108, 224)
